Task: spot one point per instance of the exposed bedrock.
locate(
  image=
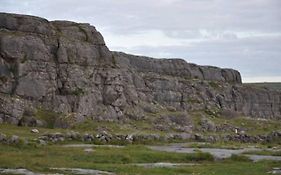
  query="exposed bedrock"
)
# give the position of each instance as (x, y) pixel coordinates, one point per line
(66, 68)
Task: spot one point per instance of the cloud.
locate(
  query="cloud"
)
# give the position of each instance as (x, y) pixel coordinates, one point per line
(245, 35)
(253, 56)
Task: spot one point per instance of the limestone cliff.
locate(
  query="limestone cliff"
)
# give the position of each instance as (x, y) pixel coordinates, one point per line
(65, 67)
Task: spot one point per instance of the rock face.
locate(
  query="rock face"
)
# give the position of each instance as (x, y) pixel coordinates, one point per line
(65, 67)
(191, 87)
(177, 68)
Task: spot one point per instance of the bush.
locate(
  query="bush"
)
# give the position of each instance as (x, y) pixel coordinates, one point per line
(47, 116)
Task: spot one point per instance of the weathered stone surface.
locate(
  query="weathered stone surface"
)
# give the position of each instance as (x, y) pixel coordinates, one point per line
(207, 125)
(3, 138)
(14, 139)
(65, 67)
(177, 68)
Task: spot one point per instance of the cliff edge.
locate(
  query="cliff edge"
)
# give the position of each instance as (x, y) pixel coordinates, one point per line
(66, 68)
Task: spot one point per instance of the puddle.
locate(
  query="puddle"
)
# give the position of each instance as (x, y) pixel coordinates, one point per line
(218, 153)
(83, 171)
(91, 145)
(88, 150)
(163, 164)
(77, 171)
(275, 171)
(21, 171)
(256, 158)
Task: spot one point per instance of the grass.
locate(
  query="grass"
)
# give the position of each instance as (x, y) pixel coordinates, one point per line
(257, 127)
(122, 160)
(47, 116)
(265, 152)
(36, 158)
(223, 145)
(140, 154)
(233, 145)
(250, 125)
(269, 85)
(240, 158)
(78, 92)
(129, 127)
(89, 126)
(144, 127)
(231, 167)
(25, 132)
(214, 84)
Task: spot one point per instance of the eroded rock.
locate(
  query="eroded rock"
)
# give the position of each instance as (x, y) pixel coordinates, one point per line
(65, 67)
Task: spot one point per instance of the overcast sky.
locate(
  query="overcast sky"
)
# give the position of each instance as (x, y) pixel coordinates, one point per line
(240, 34)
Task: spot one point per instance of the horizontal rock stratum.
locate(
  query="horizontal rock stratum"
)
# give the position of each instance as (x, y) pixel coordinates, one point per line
(65, 67)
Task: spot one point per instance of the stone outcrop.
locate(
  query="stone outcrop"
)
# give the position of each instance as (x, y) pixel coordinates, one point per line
(189, 87)
(66, 68)
(177, 68)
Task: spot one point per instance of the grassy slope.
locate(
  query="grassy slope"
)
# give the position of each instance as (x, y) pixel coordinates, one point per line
(251, 125)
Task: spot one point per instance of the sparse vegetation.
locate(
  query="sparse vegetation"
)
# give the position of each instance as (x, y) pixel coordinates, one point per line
(3, 79)
(265, 152)
(78, 91)
(47, 116)
(193, 100)
(252, 126)
(240, 158)
(214, 84)
(268, 85)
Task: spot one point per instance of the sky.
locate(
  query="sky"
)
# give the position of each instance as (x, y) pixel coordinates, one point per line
(241, 34)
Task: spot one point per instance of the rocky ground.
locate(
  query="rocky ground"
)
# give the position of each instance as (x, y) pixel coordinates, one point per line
(111, 150)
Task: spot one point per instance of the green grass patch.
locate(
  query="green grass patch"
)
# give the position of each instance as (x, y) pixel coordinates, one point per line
(144, 126)
(269, 85)
(24, 132)
(234, 145)
(49, 117)
(251, 126)
(140, 154)
(265, 152)
(57, 156)
(230, 167)
(122, 161)
(240, 158)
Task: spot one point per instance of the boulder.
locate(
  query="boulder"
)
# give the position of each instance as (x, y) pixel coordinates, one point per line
(3, 138)
(88, 137)
(14, 139)
(207, 125)
(36, 131)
